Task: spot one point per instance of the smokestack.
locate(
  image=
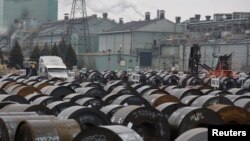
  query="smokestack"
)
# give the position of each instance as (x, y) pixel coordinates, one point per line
(121, 21)
(197, 17)
(162, 14)
(158, 14)
(177, 19)
(147, 16)
(105, 15)
(208, 18)
(66, 16)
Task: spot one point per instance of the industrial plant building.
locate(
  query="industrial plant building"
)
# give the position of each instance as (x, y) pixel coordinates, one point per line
(154, 42)
(14, 11)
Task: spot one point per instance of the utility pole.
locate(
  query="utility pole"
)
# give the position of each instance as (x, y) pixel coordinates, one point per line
(80, 24)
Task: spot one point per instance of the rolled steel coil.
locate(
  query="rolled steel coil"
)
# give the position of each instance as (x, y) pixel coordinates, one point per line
(91, 92)
(130, 100)
(196, 134)
(231, 114)
(207, 100)
(148, 122)
(108, 133)
(39, 109)
(56, 130)
(187, 118)
(169, 108)
(158, 99)
(85, 116)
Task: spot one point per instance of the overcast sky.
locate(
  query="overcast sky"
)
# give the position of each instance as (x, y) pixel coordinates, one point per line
(135, 9)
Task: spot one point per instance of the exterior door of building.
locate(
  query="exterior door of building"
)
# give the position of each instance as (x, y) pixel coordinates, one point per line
(145, 59)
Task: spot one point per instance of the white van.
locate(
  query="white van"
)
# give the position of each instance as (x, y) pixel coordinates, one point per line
(52, 66)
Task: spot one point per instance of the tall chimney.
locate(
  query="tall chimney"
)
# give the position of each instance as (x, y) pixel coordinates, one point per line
(177, 19)
(162, 14)
(147, 16)
(121, 21)
(158, 14)
(66, 16)
(197, 17)
(208, 18)
(105, 15)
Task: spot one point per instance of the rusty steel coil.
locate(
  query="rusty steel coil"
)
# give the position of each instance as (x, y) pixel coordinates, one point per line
(109, 110)
(188, 100)
(196, 134)
(168, 108)
(49, 130)
(148, 122)
(207, 100)
(90, 102)
(5, 83)
(187, 118)
(57, 91)
(219, 93)
(170, 80)
(231, 114)
(153, 91)
(33, 96)
(237, 91)
(39, 109)
(85, 116)
(58, 106)
(3, 104)
(131, 100)
(227, 83)
(158, 99)
(9, 123)
(108, 133)
(194, 81)
(243, 103)
(234, 98)
(181, 93)
(91, 92)
(23, 91)
(9, 88)
(13, 98)
(6, 86)
(91, 84)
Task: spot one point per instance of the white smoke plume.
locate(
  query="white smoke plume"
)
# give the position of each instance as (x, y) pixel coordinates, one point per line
(114, 6)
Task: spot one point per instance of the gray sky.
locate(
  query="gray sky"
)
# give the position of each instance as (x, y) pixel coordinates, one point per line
(135, 9)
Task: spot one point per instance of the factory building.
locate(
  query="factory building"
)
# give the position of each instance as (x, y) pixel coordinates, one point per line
(225, 34)
(13, 11)
(139, 38)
